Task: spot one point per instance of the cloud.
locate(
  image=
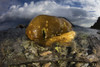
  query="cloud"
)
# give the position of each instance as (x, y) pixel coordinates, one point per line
(5, 4)
(84, 15)
(88, 5)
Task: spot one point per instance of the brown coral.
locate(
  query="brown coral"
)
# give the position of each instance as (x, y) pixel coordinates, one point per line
(64, 38)
(43, 27)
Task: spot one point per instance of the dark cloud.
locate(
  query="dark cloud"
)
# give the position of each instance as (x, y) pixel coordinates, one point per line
(18, 14)
(5, 4)
(79, 12)
(11, 22)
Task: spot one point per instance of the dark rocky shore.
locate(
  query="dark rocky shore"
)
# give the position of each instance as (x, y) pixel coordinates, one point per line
(97, 24)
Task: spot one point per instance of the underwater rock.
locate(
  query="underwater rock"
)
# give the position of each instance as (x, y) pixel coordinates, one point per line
(44, 27)
(47, 64)
(46, 53)
(16, 50)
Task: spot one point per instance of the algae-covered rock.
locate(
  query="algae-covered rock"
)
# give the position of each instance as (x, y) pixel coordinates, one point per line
(44, 27)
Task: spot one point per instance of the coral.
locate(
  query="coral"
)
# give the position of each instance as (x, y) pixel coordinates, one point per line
(64, 38)
(43, 28)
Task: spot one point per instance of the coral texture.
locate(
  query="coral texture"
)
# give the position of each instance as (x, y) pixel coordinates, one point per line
(43, 28)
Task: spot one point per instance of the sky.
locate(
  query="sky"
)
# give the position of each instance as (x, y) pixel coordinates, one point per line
(80, 12)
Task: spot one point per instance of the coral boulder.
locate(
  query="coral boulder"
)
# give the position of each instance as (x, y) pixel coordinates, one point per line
(44, 27)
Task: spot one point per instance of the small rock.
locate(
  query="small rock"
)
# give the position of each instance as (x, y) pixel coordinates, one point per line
(98, 32)
(22, 65)
(47, 64)
(36, 64)
(92, 58)
(46, 53)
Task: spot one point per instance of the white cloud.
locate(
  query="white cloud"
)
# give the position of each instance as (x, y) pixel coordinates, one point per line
(88, 5)
(83, 16)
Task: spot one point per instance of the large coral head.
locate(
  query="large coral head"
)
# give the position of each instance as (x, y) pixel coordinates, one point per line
(44, 27)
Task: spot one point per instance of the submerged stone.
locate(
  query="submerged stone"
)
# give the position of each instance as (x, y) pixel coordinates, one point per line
(18, 51)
